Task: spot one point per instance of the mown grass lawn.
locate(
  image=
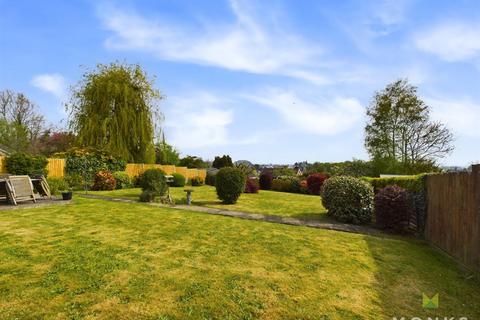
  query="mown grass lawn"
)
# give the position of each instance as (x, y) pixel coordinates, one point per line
(264, 202)
(107, 260)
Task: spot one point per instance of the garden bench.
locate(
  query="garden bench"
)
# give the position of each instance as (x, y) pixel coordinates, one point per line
(21, 189)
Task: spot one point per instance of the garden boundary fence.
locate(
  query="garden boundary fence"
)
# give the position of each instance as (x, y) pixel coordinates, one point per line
(453, 214)
(56, 168)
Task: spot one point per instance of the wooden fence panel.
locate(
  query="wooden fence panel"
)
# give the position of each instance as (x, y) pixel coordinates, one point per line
(453, 218)
(202, 173)
(56, 167)
(192, 173)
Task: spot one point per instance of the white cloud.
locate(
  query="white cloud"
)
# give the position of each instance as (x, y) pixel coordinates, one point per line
(461, 115)
(251, 43)
(197, 121)
(318, 115)
(454, 41)
(53, 83)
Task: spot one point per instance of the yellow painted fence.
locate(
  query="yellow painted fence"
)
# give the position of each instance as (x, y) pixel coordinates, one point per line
(56, 168)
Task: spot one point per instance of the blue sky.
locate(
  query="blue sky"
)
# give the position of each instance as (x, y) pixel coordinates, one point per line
(267, 81)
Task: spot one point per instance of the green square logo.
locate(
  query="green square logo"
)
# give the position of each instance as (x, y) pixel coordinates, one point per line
(430, 303)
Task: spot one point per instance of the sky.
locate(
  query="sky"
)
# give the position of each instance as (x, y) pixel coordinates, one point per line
(268, 81)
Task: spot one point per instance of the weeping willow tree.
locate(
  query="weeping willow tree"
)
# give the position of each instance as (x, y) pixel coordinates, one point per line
(115, 108)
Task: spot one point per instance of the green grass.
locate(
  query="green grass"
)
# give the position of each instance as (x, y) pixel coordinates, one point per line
(107, 260)
(264, 202)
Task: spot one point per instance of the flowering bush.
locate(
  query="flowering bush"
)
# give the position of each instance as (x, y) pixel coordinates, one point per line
(315, 182)
(104, 180)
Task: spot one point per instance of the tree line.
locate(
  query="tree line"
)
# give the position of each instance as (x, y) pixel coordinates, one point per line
(116, 108)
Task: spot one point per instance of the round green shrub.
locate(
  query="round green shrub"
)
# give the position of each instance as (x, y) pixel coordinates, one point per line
(229, 183)
(104, 180)
(178, 180)
(123, 180)
(57, 185)
(152, 181)
(348, 199)
(25, 164)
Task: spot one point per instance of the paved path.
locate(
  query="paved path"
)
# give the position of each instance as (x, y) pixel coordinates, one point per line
(31, 204)
(252, 216)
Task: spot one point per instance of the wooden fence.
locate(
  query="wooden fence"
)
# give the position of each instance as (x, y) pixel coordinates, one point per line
(453, 217)
(56, 168)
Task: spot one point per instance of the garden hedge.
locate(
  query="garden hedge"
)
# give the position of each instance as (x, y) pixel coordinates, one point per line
(25, 164)
(392, 209)
(416, 196)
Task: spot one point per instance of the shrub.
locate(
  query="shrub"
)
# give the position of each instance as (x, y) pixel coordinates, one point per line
(86, 162)
(391, 208)
(210, 178)
(348, 199)
(57, 185)
(75, 181)
(315, 182)
(411, 183)
(147, 196)
(230, 183)
(286, 184)
(178, 180)
(104, 180)
(251, 186)
(153, 183)
(197, 181)
(123, 180)
(266, 179)
(24, 164)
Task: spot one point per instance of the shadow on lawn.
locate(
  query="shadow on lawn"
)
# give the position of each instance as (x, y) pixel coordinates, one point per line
(406, 267)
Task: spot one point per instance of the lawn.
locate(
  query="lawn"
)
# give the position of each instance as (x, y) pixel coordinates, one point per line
(264, 202)
(107, 260)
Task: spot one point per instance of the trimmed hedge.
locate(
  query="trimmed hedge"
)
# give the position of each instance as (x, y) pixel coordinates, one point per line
(178, 180)
(414, 183)
(104, 180)
(25, 164)
(348, 199)
(230, 183)
(391, 209)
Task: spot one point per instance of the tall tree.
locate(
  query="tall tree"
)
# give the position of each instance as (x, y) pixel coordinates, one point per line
(21, 123)
(115, 107)
(399, 128)
(165, 153)
(223, 161)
